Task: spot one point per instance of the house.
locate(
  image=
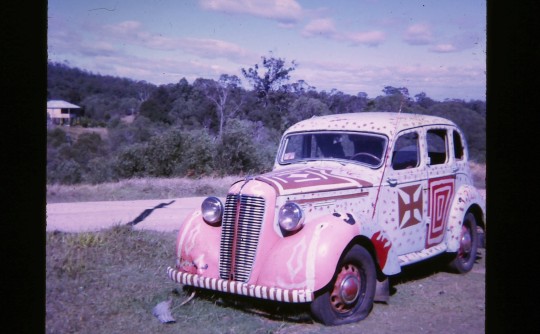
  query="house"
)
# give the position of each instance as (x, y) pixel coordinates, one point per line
(60, 112)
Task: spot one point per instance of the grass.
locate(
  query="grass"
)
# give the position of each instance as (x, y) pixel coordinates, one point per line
(135, 189)
(112, 279)
(161, 188)
(109, 282)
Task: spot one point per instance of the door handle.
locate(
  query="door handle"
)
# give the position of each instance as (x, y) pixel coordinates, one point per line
(392, 182)
(455, 169)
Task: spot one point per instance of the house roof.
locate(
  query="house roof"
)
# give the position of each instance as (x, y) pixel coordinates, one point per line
(60, 104)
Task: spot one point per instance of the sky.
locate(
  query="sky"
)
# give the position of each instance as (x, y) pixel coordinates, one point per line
(436, 47)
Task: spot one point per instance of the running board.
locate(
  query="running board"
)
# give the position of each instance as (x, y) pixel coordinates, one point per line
(411, 258)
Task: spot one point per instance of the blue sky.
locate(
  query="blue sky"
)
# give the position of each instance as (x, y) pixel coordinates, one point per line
(433, 46)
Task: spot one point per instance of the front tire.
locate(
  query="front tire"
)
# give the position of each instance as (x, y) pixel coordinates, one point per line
(465, 257)
(349, 298)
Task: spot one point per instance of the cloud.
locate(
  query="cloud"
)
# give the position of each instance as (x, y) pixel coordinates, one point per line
(284, 11)
(131, 32)
(124, 28)
(436, 81)
(320, 27)
(325, 27)
(162, 70)
(371, 38)
(460, 42)
(99, 48)
(443, 48)
(418, 34)
(212, 48)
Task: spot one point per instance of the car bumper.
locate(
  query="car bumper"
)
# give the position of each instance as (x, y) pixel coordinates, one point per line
(239, 288)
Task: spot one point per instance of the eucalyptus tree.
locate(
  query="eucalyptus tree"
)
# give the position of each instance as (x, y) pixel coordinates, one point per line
(273, 75)
(225, 94)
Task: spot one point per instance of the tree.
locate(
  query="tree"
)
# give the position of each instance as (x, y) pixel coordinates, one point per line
(303, 108)
(157, 107)
(225, 96)
(340, 103)
(423, 100)
(275, 74)
(301, 87)
(393, 100)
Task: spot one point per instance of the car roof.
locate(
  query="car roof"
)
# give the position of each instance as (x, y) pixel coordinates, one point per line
(387, 123)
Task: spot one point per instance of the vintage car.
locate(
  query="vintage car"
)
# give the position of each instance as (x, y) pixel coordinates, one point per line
(352, 198)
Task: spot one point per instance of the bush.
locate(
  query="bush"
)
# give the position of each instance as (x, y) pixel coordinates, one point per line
(173, 153)
(56, 137)
(130, 161)
(87, 147)
(99, 170)
(163, 153)
(238, 153)
(65, 172)
(198, 155)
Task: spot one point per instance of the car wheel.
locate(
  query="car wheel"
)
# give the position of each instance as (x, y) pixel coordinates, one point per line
(349, 298)
(463, 260)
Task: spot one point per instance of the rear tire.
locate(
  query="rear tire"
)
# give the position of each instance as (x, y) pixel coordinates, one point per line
(463, 260)
(349, 297)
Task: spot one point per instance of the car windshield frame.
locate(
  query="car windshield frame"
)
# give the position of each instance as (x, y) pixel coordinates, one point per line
(356, 147)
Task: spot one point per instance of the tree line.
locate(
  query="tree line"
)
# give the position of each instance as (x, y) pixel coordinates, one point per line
(209, 127)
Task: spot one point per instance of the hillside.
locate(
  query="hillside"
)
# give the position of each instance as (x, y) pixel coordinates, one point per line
(207, 127)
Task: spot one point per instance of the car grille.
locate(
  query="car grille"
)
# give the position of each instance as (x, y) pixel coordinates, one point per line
(240, 229)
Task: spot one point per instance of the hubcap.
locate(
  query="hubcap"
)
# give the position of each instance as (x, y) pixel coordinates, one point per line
(347, 289)
(350, 287)
(465, 242)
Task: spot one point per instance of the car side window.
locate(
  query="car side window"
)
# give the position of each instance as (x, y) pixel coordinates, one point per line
(458, 146)
(437, 146)
(406, 152)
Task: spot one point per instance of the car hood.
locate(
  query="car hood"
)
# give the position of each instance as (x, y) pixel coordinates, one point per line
(305, 179)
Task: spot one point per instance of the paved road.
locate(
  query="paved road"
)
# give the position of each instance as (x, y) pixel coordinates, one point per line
(158, 215)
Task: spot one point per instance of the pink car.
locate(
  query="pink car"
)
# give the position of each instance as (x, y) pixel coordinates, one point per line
(351, 200)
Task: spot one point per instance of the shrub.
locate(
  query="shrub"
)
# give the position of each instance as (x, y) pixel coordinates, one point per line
(237, 153)
(198, 154)
(56, 137)
(65, 172)
(163, 153)
(99, 170)
(130, 161)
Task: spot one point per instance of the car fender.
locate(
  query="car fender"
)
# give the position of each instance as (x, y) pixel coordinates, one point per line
(466, 198)
(308, 259)
(197, 245)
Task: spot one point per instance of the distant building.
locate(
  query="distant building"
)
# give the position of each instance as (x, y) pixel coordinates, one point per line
(61, 112)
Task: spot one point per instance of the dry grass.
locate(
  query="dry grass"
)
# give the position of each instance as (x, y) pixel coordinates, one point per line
(109, 281)
(161, 188)
(75, 131)
(135, 189)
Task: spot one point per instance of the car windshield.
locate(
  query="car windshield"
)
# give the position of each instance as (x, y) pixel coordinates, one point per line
(364, 148)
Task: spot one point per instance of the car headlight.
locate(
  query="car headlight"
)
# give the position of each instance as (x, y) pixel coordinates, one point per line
(291, 217)
(212, 210)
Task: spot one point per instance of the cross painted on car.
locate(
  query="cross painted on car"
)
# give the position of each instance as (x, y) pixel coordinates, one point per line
(410, 205)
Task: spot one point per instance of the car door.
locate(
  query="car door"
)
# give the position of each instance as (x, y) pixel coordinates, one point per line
(401, 208)
(441, 171)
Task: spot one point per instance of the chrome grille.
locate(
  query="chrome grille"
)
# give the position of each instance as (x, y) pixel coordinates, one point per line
(235, 263)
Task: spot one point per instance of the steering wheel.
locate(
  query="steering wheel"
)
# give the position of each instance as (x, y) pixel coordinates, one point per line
(366, 154)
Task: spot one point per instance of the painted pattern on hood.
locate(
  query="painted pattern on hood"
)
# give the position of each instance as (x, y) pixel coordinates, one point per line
(310, 179)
